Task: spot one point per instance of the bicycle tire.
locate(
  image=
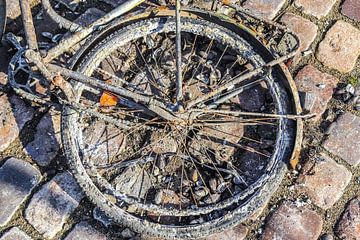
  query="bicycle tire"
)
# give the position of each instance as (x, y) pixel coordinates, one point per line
(256, 200)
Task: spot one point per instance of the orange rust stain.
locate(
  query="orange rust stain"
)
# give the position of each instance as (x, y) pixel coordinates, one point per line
(108, 100)
(295, 160)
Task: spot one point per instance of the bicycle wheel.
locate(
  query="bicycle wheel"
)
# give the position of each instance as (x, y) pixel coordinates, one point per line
(2, 17)
(176, 179)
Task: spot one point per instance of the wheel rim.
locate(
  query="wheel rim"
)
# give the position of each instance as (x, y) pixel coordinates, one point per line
(223, 203)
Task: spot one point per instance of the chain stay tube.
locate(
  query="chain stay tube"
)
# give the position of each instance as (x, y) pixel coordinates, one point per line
(28, 24)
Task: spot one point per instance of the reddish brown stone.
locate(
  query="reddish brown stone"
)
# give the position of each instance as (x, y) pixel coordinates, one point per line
(293, 223)
(344, 138)
(237, 233)
(351, 9)
(264, 8)
(340, 47)
(304, 29)
(320, 85)
(324, 181)
(349, 224)
(14, 114)
(15, 234)
(317, 8)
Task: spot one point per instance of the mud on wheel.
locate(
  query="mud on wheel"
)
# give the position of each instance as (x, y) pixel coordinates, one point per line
(188, 178)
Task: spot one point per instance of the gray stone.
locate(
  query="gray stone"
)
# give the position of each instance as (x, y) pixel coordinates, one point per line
(264, 8)
(14, 114)
(46, 141)
(237, 233)
(100, 216)
(84, 231)
(50, 207)
(17, 179)
(317, 8)
(15, 234)
(344, 138)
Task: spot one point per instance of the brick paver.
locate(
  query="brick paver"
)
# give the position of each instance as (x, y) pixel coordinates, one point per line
(317, 8)
(53, 204)
(349, 224)
(17, 179)
(324, 181)
(264, 8)
(341, 47)
(237, 233)
(47, 139)
(15, 234)
(304, 29)
(13, 116)
(351, 9)
(344, 138)
(293, 223)
(85, 231)
(319, 86)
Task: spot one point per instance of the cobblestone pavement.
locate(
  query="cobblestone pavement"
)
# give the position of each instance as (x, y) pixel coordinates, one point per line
(39, 198)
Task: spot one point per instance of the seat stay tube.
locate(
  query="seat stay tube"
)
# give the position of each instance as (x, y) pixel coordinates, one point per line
(28, 24)
(73, 39)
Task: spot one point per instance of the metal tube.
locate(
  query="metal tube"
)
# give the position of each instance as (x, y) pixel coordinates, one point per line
(179, 80)
(63, 22)
(67, 43)
(28, 24)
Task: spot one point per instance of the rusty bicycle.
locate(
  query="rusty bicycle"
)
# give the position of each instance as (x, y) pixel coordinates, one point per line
(176, 121)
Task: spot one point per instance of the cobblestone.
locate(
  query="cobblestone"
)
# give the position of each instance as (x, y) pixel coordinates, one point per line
(15, 234)
(351, 9)
(324, 181)
(263, 8)
(3, 80)
(317, 8)
(53, 204)
(13, 116)
(84, 231)
(17, 180)
(340, 47)
(305, 29)
(320, 85)
(293, 223)
(237, 233)
(349, 224)
(46, 141)
(344, 138)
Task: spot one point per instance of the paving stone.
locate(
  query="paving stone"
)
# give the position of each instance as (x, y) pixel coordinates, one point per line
(317, 8)
(3, 80)
(351, 9)
(293, 223)
(84, 231)
(50, 207)
(17, 180)
(100, 216)
(310, 81)
(15, 234)
(114, 3)
(237, 233)
(344, 138)
(340, 47)
(264, 8)
(349, 225)
(324, 181)
(304, 29)
(46, 141)
(13, 116)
